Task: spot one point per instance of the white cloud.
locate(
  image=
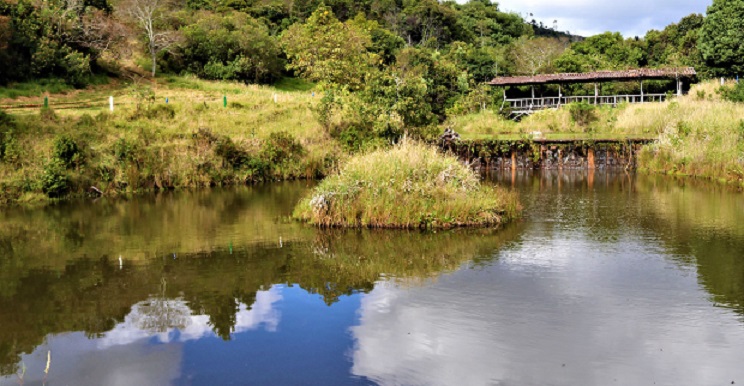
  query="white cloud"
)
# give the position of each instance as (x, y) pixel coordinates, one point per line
(609, 313)
(161, 319)
(590, 17)
(125, 356)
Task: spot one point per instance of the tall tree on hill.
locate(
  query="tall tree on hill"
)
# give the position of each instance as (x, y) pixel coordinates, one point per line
(722, 37)
(535, 55)
(151, 16)
(328, 51)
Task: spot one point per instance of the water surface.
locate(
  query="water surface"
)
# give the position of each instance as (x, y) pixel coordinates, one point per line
(608, 279)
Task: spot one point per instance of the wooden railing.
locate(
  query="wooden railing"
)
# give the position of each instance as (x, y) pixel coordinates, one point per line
(526, 105)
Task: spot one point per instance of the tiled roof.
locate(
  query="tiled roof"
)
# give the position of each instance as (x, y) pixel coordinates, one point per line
(599, 76)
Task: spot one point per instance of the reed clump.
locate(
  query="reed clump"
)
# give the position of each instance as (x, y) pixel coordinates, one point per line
(410, 185)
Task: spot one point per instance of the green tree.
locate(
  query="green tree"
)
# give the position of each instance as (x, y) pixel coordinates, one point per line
(536, 55)
(230, 46)
(41, 39)
(722, 37)
(489, 27)
(607, 51)
(676, 45)
(326, 50)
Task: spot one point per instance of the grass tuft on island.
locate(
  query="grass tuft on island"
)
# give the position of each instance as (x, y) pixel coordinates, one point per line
(410, 185)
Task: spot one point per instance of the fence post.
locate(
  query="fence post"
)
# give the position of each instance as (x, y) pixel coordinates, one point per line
(224, 101)
(111, 104)
(46, 102)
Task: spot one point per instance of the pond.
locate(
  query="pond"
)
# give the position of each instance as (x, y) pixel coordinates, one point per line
(607, 279)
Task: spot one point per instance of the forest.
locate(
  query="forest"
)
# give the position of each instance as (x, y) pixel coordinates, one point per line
(449, 45)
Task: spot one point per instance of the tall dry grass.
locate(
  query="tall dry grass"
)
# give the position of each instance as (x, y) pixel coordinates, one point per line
(698, 135)
(408, 186)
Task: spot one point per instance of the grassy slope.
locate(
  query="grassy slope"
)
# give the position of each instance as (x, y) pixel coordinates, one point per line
(699, 134)
(168, 154)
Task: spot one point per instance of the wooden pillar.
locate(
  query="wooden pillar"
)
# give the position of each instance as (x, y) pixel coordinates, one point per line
(679, 87)
(560, 95)
(590, 158)
(533, 91)
(641, 91)
(596, 92)
(514, 160)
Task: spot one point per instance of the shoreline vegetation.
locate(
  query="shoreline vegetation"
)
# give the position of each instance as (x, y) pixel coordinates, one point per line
(264, 133)
(209, 93)
(410, 185)
(194, 140)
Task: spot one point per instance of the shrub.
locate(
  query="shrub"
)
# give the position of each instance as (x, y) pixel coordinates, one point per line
(54, 181)
(583, 114)
(67, 150)
(6, 125)
(231, 154)
(163, 112)
(280, 147)
(86, 120)
(126, 151)
(733, 94)
(47, 114)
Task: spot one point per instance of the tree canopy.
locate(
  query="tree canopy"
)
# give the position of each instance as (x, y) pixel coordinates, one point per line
(722, 37)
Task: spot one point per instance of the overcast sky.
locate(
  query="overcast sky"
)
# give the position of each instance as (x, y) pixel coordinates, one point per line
(590, 17)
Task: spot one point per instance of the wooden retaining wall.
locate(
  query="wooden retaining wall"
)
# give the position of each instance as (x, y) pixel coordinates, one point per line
(547, 154)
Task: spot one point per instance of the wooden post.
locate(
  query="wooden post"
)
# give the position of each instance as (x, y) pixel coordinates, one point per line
(641, 91)
(560, 95)
(679, 87)
(111, 104)
(596, 93)
(590, 158)
(533, 91)
(514, 160)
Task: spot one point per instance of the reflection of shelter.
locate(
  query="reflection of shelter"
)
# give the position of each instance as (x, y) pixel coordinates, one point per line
(522, 106)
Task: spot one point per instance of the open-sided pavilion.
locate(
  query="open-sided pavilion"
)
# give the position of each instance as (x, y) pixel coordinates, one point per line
(522, 106)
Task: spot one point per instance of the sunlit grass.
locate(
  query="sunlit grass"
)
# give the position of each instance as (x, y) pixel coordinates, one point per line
(408, 186)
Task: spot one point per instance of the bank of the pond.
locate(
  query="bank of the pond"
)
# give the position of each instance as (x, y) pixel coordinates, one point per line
(410, 185)
(207, 134)
(697, 135)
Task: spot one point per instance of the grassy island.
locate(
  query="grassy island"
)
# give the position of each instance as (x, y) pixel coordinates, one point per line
(410, 185)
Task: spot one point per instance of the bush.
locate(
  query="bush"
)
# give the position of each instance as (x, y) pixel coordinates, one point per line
(733, 94)
(409, 186)
(231, 154)
(163, 112)
(47, 114)
(6, 125)
(281, 147)
(67, 150)
(126, 151)
(583, 114)
(54, 180)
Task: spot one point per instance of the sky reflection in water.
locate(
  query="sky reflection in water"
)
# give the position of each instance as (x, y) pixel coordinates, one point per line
(608, 280)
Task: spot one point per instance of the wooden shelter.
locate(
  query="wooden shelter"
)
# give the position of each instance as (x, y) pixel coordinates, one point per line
(521, 106)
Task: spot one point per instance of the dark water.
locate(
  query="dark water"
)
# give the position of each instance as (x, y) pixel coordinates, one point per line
(608, 279)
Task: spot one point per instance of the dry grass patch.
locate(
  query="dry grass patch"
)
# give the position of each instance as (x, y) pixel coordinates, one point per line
(408, 186)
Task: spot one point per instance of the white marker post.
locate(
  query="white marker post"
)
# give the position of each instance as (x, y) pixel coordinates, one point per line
(111, 104)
